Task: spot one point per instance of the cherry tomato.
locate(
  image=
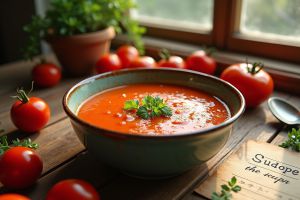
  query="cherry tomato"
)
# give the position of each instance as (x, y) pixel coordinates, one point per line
(13, 197)
(127, 54)
(201, 62)
(46, 74)
(29, 114)
(254, 83)
(74, 189)
(144, 61)
(173, 62)
(108, 62)
(20, 167)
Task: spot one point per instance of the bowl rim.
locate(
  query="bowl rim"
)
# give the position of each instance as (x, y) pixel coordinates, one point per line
(110, 133)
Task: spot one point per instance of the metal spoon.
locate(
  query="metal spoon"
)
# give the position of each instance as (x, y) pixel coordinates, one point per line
(284, 111)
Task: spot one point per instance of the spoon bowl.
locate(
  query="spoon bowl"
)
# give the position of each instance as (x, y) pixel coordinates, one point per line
(284, 111)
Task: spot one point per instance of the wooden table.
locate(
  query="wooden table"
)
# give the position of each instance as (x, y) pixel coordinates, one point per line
(65, 157)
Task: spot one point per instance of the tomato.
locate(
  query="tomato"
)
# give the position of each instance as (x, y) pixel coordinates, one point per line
(254, 83)
(127, 54)
(74, 189)
(20, 167)
(29, 114)
(13, 197)
(170, 61)
(201, 62)
(46, 74)
(108, 62)
(144, 61)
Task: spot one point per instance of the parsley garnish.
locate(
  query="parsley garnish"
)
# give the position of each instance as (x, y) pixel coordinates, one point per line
(293, 141)
(226, 190)
(150, 107)
(16, 143)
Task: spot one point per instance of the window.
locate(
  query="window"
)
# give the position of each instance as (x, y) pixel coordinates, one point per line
(269, 28)
(266, 19)
(194, 15)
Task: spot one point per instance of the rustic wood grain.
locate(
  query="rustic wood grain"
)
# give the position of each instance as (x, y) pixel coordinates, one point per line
(18, 73)
(278, 139)
(53, 96)
(58, 143)
(60, 147)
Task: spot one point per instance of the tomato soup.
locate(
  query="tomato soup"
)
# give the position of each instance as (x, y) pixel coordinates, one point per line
(191, 110)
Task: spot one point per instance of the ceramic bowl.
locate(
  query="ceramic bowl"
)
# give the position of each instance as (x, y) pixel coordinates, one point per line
(153, 156)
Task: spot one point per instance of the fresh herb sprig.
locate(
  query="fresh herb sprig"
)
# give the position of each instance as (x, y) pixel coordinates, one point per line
(150, 107)
(293, 141)
(4, 146)
(226, 190)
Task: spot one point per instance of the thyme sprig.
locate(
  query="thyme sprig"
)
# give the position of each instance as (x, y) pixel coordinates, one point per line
(4, 146)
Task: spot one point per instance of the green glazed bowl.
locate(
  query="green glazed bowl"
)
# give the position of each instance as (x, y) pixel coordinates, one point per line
(153, 156)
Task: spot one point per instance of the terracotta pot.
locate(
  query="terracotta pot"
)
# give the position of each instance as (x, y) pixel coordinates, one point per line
(78, 54)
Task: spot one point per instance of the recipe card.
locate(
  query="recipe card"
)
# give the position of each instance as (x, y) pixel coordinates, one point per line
(263, 170)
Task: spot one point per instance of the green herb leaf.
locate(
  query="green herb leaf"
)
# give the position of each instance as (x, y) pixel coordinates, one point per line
(131, 105)
(143, 112)
(225, 187)
(236, 188)
(233, 181)
(4, 146)
(226, 190)
(25, 143)
(293, 141)
(151, 107)
(72, 17)
(166, 111)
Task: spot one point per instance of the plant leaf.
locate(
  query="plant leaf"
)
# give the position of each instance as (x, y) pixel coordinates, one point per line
(233, 181)
(236, 188)
(225, 187)
(143, 112)
(131, 105)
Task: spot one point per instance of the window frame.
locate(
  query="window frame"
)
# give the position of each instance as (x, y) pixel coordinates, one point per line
(225, 35)
(254, 45)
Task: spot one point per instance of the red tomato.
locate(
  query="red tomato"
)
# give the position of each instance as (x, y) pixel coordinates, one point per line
(201, 62)
(173, 62)
(108, 62)
(127, 54)
(29, 114)
(46, 74)
(144, 61)
(254, 83)
(13, 197)
(74, 189)
(20, 167)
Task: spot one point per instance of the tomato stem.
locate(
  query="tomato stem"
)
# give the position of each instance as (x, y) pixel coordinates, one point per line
(21, 94)
(255, 67)
(164, 54)
(209, 50)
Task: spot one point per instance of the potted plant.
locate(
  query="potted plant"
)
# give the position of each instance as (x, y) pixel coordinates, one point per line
(80, 31)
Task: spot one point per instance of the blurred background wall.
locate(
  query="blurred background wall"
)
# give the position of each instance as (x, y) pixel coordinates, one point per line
(14, 14)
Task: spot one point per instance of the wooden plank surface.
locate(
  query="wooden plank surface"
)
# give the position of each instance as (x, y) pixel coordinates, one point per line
(62, 154)
(251, 125)
(280, 137)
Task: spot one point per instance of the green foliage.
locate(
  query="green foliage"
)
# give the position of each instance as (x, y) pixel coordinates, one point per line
(226, 190)
(151, 107)
(4, 146)
(71, 17)
(293, 141)
(131, 105)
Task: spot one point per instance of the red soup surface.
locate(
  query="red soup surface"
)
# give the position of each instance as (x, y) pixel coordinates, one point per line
(191, 110)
